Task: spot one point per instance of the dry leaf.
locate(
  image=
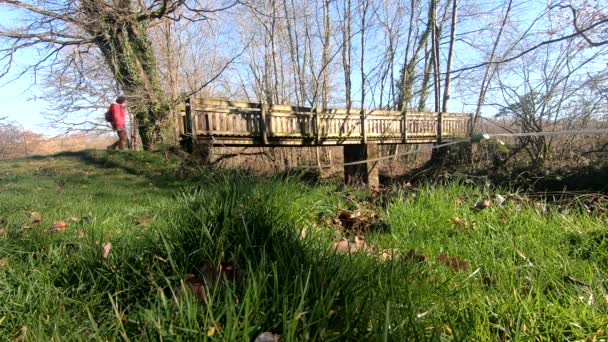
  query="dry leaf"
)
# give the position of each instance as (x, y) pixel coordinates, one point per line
(408, 186)
(106, 250)
(21, 334)
(197, 286)
(357, 221)
(411, 255)
(454, 262)
(344, 246)
(74, 219)
(267, 337)
(389, 254)
(499, 200)
(210, 331)
(58, 226)
(459, 222)
(35, 217)
(483, 204)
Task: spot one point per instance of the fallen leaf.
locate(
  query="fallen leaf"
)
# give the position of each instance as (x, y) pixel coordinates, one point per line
(408, 186)
(344, 246)
(267, 337)
(74, 219)
(454, 262)
(499, 200)
(197, 286)
(210, 331)
(480, 205)
(411, 255)
(21, 334)
(357, 221)
(459, 222)
(106, 250)
(388, 254)
(35, 217)
(303, 233)
(58, 226)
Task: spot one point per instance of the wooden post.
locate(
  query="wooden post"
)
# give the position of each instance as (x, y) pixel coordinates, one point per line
(317, 126)
(262, 123)
(365, 172)
(404, 125)
(188, 127)
(439, 127)
(363, 130)
(188, 120)
(470, 127)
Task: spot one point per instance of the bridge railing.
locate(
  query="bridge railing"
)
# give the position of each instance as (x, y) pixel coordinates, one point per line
(254, 123)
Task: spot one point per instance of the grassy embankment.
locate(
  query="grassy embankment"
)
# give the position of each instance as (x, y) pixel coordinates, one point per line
(262, 257)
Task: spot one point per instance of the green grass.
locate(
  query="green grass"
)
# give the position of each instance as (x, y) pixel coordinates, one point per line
(522, 282)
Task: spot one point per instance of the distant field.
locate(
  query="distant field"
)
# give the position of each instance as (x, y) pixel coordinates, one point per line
(143, 254)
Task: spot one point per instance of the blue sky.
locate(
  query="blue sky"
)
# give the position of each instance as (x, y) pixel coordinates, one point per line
(18, 101)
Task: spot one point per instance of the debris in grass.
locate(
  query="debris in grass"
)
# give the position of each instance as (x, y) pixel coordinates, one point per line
(267, 337)
(210, 331)
(345, 246)
(499, 200)
(2, 263)
(71, 246)
(574, 281)
(454, 262)
(408, 186)
(58, 226)
(210, 276)
(196, 286)
(412, 255)
(74, 219)
(106, 250)
(359, 221)
(2, 231)
(21, 334)
(483, 204)
(35, 218)
(459, 222)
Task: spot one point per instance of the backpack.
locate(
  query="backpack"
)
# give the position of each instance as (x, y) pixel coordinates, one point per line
(109, 116)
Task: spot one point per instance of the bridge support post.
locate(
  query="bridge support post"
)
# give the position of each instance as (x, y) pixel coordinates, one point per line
(365, 172)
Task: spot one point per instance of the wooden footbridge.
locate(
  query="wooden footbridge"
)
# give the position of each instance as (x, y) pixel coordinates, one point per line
(228, 123)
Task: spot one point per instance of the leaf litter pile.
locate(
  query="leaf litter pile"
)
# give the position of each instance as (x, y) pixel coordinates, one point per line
(355, 225)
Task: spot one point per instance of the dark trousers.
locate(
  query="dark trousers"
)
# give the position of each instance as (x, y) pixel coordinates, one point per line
(122, 142)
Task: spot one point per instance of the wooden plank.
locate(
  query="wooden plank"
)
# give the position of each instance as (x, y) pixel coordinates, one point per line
(224, 103)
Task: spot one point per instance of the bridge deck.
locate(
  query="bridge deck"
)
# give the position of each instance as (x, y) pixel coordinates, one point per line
(242, 123)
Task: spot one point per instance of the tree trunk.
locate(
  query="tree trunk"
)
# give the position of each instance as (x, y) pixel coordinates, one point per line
(128, 53)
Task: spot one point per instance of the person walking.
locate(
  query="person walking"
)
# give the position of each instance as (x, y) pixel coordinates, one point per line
(116, 116)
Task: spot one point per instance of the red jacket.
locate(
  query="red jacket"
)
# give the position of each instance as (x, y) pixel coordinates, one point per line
(118, 114)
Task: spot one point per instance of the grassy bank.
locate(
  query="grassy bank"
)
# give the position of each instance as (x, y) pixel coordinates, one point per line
(227, 256)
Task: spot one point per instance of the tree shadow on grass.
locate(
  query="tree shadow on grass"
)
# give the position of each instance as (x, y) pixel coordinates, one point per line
(149, 165)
